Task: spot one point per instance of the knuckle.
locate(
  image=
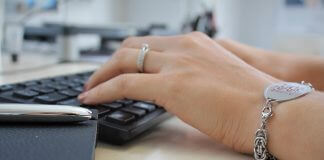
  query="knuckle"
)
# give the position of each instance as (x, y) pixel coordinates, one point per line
(98, 92)
(187, 41)
(123, 51)
(92, 79)
(222, 40)
(128, 42)
(120, 54)
(122, 84)
(197, 34)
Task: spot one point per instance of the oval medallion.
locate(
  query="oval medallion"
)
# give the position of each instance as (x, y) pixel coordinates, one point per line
(285, 91)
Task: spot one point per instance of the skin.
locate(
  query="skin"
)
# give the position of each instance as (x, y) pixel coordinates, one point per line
(288, 67)
(211, 89)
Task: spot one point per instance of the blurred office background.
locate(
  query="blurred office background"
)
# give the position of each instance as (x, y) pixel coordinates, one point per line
(90, 30)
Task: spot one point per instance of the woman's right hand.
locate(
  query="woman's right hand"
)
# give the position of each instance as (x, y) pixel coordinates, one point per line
(212, 90)
(192, 77)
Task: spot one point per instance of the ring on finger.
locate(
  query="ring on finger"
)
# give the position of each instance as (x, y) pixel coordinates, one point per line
(141, 57)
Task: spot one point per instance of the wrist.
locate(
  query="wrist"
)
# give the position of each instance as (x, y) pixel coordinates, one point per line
(284, 95)
(249, 120)
(295, 130)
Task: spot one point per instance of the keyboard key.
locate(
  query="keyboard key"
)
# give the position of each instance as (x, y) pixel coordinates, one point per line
(69, 93)
(50, 98)
(30, 83)
(112, 105)
(89, 106)
(78, 89)
(136, 111)
(71, 102)
(43, 89)
(120, 117)
(46, 81)
(125, 101)
(79, 80)
(6, 87)
(147, 106)
(59, 79)
(70, 84)
(25, 94)
(74, 85)
(65, 82)
(86, 74)
(57, 86)
(102, 111)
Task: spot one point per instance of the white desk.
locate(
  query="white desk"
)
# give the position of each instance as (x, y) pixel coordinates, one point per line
(171, 140)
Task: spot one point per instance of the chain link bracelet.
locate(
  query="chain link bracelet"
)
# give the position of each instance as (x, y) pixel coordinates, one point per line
(277, 92)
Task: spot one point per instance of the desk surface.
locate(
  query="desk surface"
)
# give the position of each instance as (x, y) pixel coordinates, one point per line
(172, 140)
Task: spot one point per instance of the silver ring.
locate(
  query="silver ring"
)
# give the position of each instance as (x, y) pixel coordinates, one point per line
(141, 57)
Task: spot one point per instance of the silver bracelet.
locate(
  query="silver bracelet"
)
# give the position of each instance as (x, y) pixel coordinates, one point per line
(277, 92)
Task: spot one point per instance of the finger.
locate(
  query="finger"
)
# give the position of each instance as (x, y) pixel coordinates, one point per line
(124, 61)
(157, 43)
(132, 86)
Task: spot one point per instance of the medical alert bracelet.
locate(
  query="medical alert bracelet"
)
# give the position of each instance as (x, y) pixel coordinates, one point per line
(277, 92)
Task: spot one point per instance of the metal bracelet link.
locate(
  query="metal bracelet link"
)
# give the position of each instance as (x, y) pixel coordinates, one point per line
(266, 112)
(260, 142)
(260, 145)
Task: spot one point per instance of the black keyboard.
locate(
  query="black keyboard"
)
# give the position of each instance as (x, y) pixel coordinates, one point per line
(119, 121)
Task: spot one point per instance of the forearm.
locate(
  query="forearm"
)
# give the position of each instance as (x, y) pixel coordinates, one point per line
(287, 67)
(307, 68)
(296, 130)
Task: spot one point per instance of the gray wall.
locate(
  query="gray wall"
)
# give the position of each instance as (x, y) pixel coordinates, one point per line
(248, 21)
(1, 26)
(133, 12)
(254, 22)
(85, 12)
(171, 12)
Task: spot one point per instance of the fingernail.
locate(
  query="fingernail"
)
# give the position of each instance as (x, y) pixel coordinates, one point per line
(82, 96)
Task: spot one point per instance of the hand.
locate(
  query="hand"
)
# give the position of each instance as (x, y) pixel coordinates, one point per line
(192, 77)
(288, 67)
